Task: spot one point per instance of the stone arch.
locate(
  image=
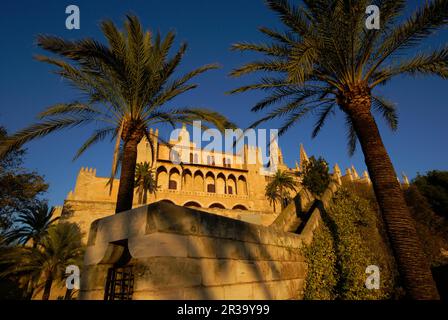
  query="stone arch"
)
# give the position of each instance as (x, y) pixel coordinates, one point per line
(162, 177)
(239, 207)
(167, 201)
(198, 181)
(174, 181)
(231, 184)
(217, 205)
(221, 183)
(242, 185)
(192, 204)
(187, 180)
(210, 182)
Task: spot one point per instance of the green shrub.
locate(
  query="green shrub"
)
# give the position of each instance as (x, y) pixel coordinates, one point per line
(431, 228)
(321, 258)
(349, 239)
(434, 186)
(316, 177)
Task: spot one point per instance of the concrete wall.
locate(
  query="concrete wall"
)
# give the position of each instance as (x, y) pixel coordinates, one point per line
(182, 253)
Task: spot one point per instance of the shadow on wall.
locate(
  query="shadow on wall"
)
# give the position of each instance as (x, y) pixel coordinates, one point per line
(182, 253)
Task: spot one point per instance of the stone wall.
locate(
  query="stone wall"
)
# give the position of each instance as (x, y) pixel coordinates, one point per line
(182, 253)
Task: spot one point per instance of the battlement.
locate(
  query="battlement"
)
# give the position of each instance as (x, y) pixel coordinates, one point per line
(87, 171)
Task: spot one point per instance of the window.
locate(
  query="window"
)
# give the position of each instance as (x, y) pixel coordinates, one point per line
(172, 185)
(119, 284)
(211, 188)
(191, 158)
(229, 190)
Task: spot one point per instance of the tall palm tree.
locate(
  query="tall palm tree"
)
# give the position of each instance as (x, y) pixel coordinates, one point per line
(126, 84)
(59, 248)
(145, 181)
(279, 188)
(32, 224)
(327, 59)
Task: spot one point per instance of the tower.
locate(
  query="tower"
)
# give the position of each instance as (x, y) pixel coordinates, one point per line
(303, 157)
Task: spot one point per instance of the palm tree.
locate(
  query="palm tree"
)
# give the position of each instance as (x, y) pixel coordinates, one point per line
(126, 86)
(271, 193)
(33, 223)
(145, 181)
(279, 188)
(326, 59)
(59, 248)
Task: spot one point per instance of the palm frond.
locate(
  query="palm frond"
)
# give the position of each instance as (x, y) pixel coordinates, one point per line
(387, 109)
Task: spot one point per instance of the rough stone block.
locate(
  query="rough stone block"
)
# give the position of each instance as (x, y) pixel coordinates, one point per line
(238, 292)
(202, 247)
(218, 271)
(166, 272)
(159, 245)
(173, 294)
(204, 293)
(248, 271)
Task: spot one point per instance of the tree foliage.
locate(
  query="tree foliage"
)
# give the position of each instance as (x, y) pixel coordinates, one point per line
(145, 181)
(19, 188)
(350, 239)
(46, 262)
(315, 175)
(31, 223)
(126, 86)
(434, 186)
(325, 51)
(279, 188)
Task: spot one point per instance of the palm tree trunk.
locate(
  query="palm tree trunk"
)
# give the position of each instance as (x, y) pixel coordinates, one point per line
(47, 288)
(145, 196)
(127, 176)
(413, 266)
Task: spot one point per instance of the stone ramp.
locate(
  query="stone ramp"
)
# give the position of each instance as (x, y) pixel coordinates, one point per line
(295, 216)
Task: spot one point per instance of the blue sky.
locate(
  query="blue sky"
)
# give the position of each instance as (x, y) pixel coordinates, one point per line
(209, 27)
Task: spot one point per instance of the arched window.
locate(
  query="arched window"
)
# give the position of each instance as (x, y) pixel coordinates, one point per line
(217, 206)
(192, 204)
(174, 180)
(210, 182)
(231, 184)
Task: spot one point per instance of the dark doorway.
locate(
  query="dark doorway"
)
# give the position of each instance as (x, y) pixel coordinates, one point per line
(120, 278)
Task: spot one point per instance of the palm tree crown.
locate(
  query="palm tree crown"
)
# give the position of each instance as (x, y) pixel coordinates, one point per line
(60, 247)
(327, 55)
(280, 186)
(32, 224)
(145, 181)
(126, 86)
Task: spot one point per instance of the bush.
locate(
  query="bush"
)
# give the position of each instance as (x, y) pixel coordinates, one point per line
(434, 186)
(349, 239)
(321, 258)
(431, 228)
(315, 176)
